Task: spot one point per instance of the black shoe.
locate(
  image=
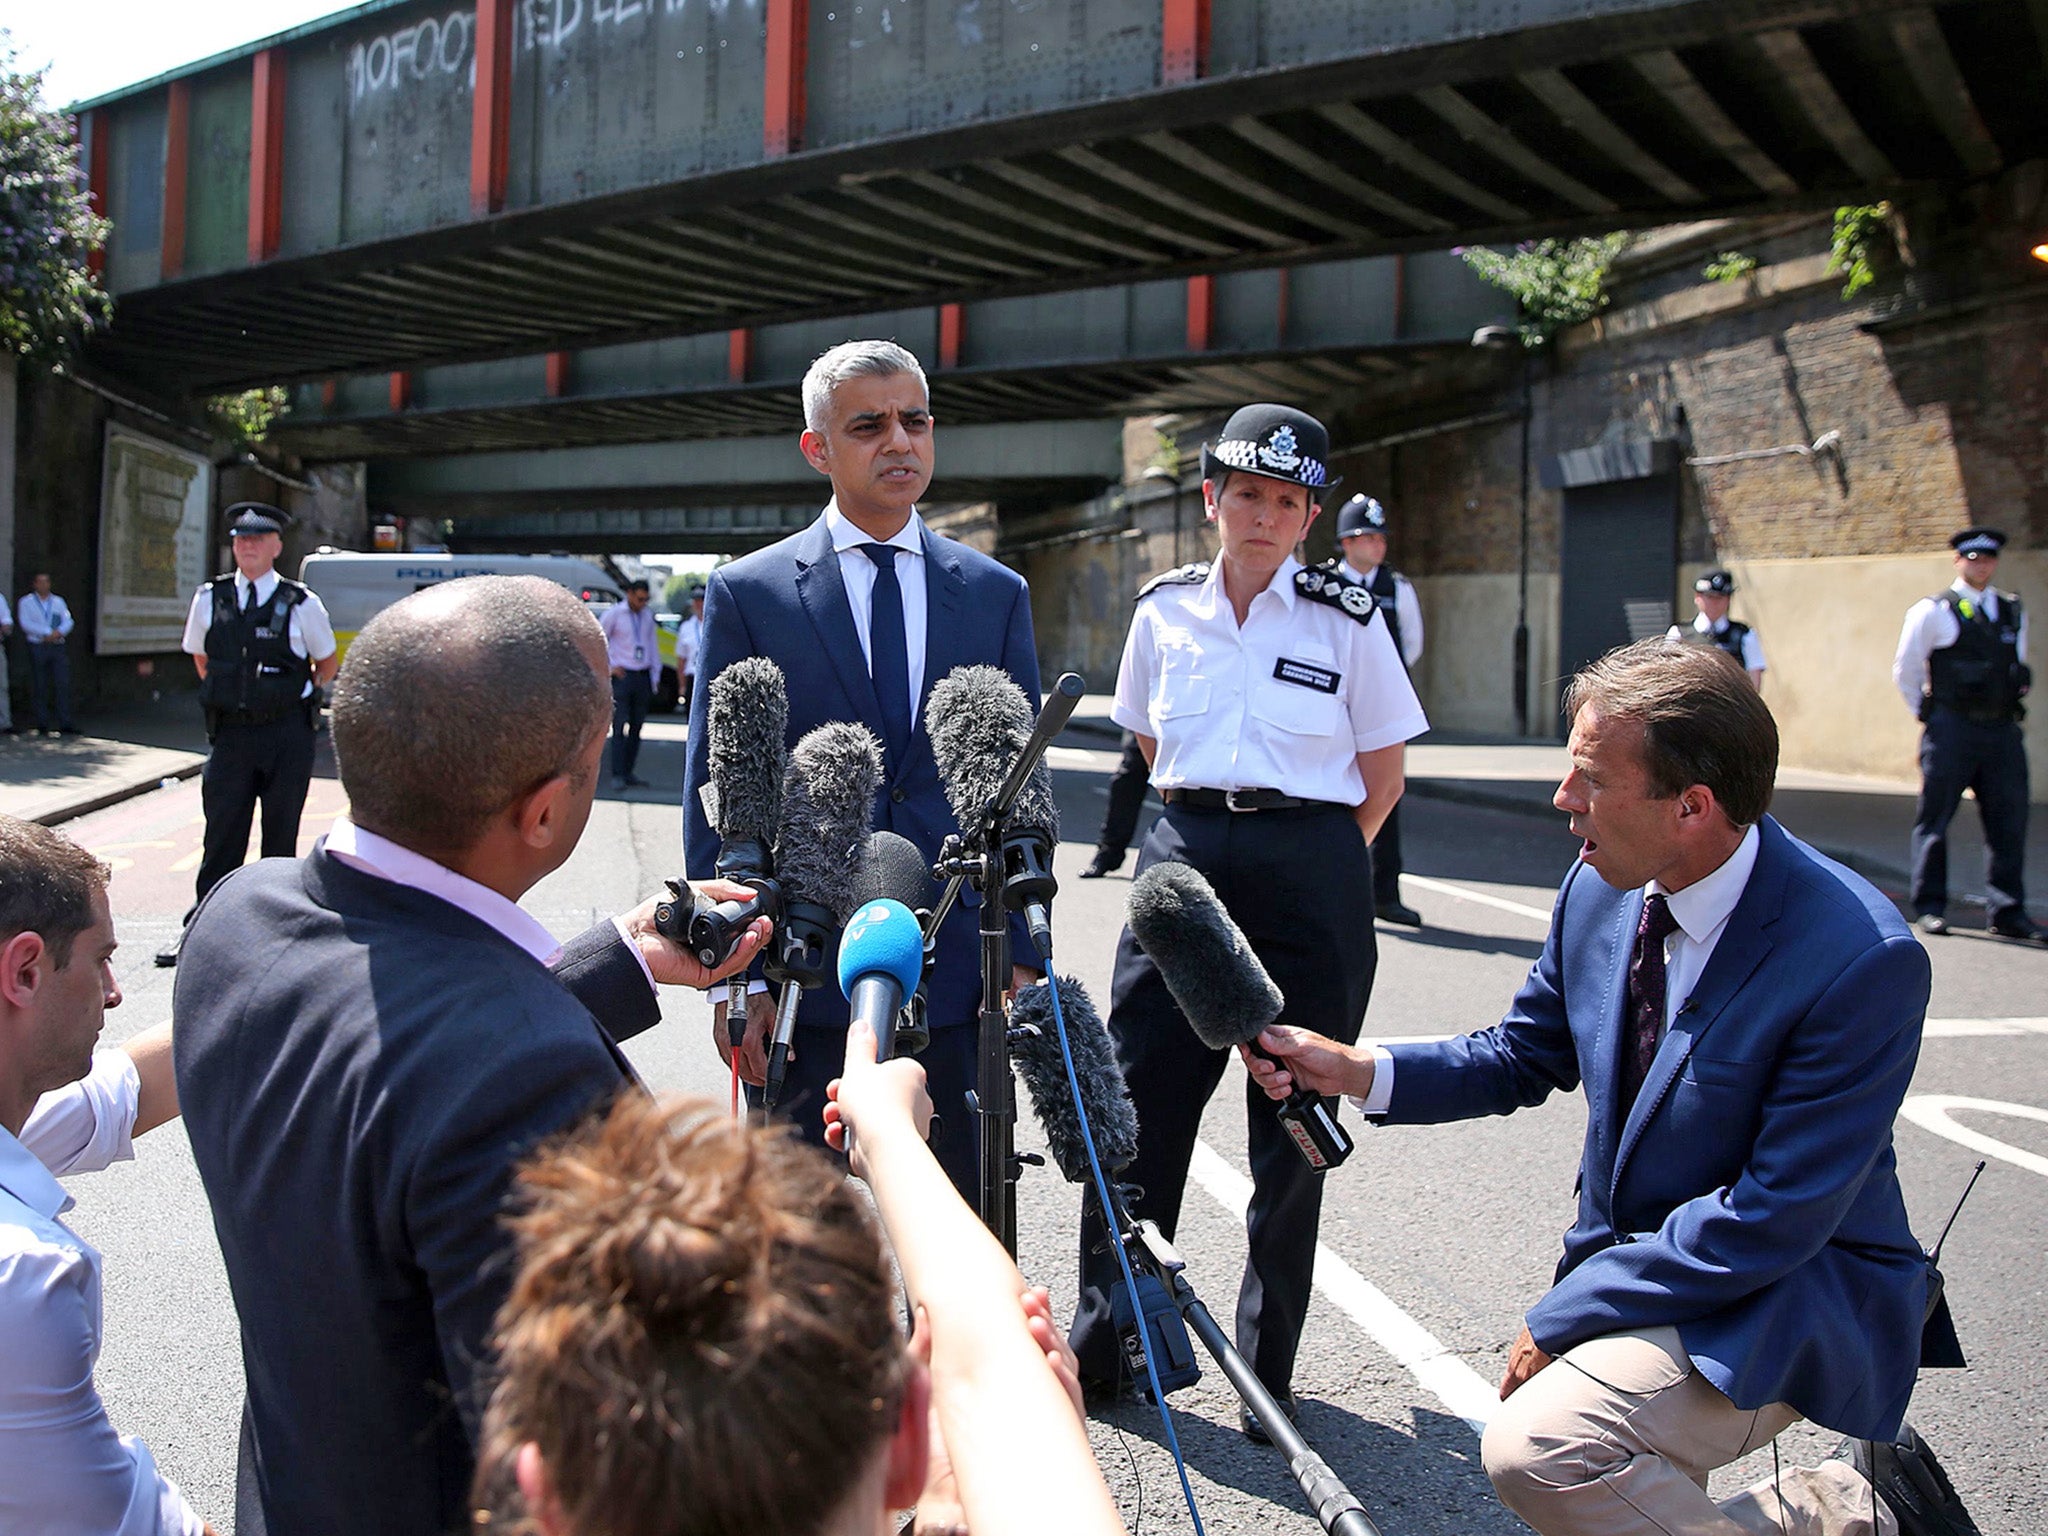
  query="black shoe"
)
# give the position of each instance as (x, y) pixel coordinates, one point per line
(1912, 1485)
(10, 730)
(1932, 922)
(1104, 863)
(2019, 926)
(1255, 1432)
(70, 730)
(1394, 912)
(168, 955)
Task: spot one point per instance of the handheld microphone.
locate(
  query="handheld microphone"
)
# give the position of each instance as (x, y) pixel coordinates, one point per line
(828, 799)
(1105, 1099)
(881, 956)
(979, 722)
(746, 722)
(1222, 989)
(896, 867)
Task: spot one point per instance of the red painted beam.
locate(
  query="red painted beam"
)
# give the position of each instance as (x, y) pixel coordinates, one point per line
(177, 139)
(330, 391)
(952, 331)
(99, 125)
(739, 355)
(266, 156)
(782, 127)
(401, 391)
(490, 126)
(1183, 41)
(558, 373)
(1201, 312)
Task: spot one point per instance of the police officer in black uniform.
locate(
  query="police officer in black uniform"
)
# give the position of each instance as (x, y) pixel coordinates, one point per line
(262, 645)
(1711, 595)
(1273, 708)
(1362, 538)
(1962, 668)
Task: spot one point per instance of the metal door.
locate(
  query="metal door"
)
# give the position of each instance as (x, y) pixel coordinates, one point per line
(1618, 564)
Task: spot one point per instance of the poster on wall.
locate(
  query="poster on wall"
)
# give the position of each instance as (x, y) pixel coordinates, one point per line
(153, 509)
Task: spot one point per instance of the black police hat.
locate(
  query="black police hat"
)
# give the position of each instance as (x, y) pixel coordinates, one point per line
(257, 517)
(1977, 541)
(1718, 582)
(1361, 514)
(1276, 441)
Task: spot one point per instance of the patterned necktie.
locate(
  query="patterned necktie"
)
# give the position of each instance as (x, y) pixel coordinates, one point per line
(888, 653)
(1645, 997)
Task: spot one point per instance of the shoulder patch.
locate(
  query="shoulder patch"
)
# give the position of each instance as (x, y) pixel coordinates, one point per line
(1323, 585)
(1192, 574)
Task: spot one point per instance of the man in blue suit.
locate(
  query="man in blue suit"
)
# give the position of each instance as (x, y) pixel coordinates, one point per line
(864, 611)
(1745, 1016)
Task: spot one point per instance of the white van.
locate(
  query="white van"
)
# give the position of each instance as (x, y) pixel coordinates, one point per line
(357, 587)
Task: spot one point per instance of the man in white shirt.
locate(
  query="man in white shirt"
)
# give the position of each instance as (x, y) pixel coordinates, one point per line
(1744, 1016)
(263, 647)
(630, 638)
(63, 1110)
(689, 642)
(45, 620)
(1962, 669)
(1711, 595)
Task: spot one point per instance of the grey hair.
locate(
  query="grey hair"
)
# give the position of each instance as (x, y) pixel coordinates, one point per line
(462, 699)
(854, 360)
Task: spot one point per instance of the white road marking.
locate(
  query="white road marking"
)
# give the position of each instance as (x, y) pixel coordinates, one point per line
(1465, 893)
(1439, 1371)
(1954, 1029)
(1931, 1111)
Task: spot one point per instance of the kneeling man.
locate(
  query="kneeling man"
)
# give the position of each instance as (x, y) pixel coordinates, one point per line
(1745, 1016)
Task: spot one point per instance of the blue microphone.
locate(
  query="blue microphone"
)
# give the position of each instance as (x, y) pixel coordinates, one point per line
(881, 956)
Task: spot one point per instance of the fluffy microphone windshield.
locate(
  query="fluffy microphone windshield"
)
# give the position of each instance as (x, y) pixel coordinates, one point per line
(745, 724)
(1036, 1056)
(978, 721)
(828, 801)
(1203, 956)
(895, 868)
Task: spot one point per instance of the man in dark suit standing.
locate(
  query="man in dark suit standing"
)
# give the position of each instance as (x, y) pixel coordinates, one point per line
(370, 1038)
(864, 611)
(1745, 1016)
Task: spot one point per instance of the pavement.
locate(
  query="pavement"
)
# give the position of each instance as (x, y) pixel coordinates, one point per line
(1865, 823)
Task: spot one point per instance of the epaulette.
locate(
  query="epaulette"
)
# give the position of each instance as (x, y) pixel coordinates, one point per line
(1193, 574)
(1326, 584)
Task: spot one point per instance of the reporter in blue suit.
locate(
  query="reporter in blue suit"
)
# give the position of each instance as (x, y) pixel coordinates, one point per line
(864, 611)
(1745, 1016)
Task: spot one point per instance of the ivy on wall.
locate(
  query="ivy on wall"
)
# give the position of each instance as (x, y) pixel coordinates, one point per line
(1556, 283)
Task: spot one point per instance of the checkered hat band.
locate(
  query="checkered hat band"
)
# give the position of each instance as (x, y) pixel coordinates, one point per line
(1242, 453)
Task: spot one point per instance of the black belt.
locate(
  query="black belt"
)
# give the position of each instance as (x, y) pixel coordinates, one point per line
(1246, 800)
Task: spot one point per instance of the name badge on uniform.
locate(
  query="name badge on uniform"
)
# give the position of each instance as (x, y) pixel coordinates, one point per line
(639, 653)
(1306, 675)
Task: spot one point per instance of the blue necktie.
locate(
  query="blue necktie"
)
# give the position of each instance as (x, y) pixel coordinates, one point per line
(889, 656)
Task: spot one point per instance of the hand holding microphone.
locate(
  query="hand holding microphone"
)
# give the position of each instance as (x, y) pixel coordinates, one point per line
(1287, 1060)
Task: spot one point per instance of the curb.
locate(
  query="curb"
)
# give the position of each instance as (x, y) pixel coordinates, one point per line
(105, 798)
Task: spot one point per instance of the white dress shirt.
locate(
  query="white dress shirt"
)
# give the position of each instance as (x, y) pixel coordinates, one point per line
(1930, 627)
(1287, 702)
(85, 1126)
(1707, 629)
(62, 1466)
(689, 639)
(1702, 911)
(43, 618)
(630, 639)
(364, 850)
(309, 630)
(858, 573)
(1407, 608)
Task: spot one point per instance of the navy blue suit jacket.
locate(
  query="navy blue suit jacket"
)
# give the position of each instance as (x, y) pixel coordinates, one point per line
(787, 602)
(361, 1066)
(1750, 1197)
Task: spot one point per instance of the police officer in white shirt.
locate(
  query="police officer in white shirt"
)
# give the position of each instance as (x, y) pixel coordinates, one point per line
(1273, 707)
(1962, 669)
(1712, 626)
(46, 623)
(263, 646)
(1362, 536)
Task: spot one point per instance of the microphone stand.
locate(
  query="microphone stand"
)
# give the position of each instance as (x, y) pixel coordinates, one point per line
(977, 857)
(1334, 1505)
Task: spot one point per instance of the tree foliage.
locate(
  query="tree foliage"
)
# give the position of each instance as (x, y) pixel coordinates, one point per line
(1860, 237)
(48, 297)
(1729, 267)
(247, 416)
(1556, 283)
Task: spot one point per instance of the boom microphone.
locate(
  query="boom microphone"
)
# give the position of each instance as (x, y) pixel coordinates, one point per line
(881, 957)
(979, 722)
(828, 799)
(1105, 1099)
(746, 721)
(1222, 989)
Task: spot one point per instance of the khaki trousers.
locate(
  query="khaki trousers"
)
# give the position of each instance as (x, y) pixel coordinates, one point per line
(1617, 1436)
